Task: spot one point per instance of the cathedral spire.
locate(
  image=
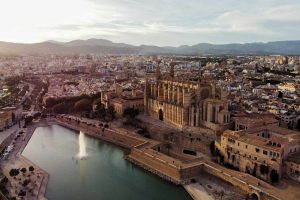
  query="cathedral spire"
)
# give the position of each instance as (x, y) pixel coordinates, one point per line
(158, 73)
(146, 96)
(172, 73)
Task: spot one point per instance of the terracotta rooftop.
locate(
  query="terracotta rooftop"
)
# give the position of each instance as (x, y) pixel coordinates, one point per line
(272, 128)
(264, 119)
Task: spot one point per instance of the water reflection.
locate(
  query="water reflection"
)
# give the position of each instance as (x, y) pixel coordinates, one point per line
(82, 147)
(104, 175)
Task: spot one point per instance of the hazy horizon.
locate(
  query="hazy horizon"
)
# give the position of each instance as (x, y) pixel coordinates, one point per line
(124, 42)
(159, 22)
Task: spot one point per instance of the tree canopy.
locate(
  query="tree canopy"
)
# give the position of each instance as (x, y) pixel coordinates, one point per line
(131, 112)
(83, 105)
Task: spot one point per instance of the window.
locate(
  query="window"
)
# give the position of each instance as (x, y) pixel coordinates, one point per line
(231, 140)
(257, 150)
(246, 146)
(265, 152)
(278, 145)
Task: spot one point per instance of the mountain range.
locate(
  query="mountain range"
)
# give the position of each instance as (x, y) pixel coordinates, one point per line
(101, 46)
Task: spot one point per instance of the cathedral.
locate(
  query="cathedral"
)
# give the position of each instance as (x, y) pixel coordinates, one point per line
(184, 103)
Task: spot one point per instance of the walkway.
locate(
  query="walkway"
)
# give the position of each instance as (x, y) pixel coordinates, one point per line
(197, 192)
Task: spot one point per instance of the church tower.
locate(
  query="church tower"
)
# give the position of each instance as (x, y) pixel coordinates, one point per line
(146, 96)
(158, 73)
(172, 72)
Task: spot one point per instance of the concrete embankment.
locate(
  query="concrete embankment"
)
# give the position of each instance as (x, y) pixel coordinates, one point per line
(142, 151)
(197, 192)
(110, 135)
(155, 168)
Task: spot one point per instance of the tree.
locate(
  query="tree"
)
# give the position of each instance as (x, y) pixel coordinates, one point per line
(25, 182)
(31, 168)
(22, 193)
(110, 113)
(59, 108)
(131, 113)
(99, 109)
(23, 170)
(96, 96)
(49, 102)
(83, 105)
(97, 103)
(14, 172)
(28, 120)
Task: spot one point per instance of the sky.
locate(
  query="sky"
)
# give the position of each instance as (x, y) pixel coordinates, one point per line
(151, 22)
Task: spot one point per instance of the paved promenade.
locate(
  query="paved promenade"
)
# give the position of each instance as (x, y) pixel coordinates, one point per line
(38, 179)
(197, 192)
(142, 153)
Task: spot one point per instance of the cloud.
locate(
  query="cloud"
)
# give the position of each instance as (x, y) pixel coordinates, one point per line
(160, 22)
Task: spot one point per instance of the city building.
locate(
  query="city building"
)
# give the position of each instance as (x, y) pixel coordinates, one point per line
(120, 99)
(185, 104)
(262, 151)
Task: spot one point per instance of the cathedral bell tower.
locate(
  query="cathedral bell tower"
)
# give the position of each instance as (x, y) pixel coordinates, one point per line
(172, 72)
(146, 96)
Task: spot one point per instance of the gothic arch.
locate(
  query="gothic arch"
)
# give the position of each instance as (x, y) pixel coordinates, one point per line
(204, 93)
(254, 196)
(160, 114)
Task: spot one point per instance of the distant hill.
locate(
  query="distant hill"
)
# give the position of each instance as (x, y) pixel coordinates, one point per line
(101, 46)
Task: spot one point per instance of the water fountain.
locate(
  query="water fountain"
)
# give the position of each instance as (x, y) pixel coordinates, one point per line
(82, 148)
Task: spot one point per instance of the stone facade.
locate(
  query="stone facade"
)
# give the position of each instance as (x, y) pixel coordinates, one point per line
(186, 104)
(120, 100)
(9, 115)
(260, 151)
(243, 123)
(292, 165)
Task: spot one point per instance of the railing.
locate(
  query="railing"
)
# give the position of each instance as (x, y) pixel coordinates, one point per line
(242, 182)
